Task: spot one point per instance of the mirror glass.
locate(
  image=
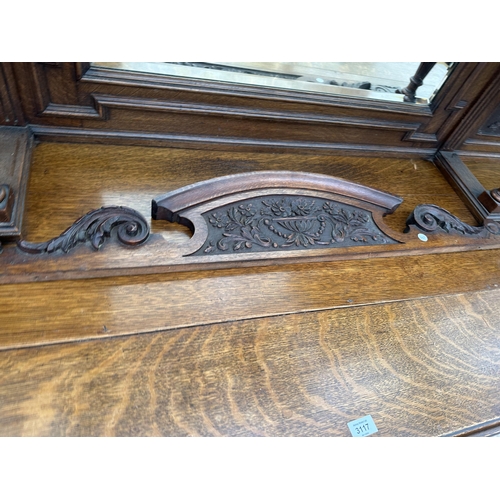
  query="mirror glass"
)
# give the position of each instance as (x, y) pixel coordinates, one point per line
(375, 80)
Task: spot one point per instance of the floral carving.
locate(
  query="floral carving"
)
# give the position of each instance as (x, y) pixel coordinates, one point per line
(289, 222)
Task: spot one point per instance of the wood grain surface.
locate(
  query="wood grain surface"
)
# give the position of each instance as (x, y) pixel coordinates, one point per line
(61, 311)
(487, 171)
(419, 368)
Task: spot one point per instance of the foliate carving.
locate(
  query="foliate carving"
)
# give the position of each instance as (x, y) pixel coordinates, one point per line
(288, 223)
(431, 218)
(96, 226)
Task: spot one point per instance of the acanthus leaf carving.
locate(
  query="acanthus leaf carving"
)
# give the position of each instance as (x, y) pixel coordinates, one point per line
(95, 227)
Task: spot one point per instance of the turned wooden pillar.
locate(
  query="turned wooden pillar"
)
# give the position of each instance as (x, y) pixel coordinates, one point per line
(416, 81)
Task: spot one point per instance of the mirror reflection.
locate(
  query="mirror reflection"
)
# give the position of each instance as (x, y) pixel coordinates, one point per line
(400, 82)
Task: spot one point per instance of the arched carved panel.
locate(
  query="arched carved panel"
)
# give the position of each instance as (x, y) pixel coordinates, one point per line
(278, 211)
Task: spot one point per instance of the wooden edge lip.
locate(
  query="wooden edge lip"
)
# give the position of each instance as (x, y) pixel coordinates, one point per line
(167, 206)
(483, 429)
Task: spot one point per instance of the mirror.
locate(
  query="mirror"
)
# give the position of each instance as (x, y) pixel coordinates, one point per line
(373, 80)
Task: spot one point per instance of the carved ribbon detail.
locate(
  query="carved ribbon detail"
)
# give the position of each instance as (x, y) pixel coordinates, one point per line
(431, 218)
(95, 226)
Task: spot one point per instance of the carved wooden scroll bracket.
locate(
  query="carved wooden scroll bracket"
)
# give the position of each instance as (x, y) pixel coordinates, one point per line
(434, 219)
(95, 226)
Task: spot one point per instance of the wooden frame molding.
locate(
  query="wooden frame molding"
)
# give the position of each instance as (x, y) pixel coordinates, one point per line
(490, 428)
(481, 202)
(83, 103)
(15, 157)
(161, 139)
(469, 134)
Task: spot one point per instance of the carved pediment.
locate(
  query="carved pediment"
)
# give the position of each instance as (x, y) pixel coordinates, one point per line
(248, 219)
(278, 211)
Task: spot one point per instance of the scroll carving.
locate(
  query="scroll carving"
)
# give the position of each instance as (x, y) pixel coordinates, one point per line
(95, 227)
(431, 218)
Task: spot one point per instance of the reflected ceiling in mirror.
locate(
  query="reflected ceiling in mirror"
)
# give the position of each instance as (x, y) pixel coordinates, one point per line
(375, 80)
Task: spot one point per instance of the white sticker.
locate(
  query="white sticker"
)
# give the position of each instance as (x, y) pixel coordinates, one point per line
(422, 237)
(362, 427)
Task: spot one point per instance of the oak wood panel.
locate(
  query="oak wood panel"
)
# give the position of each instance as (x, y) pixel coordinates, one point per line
(419, 368)
(487, 171)
(236, 128)
(32, 88)
(61, 82)
(61, 311)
